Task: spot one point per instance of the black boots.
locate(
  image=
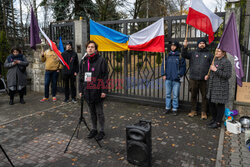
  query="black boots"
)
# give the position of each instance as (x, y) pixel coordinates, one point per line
(92, 133)
(22, 101)
(11, 102)
(100, 136)
(214, 125)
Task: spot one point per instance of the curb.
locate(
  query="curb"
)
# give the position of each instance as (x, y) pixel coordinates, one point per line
(220, 147)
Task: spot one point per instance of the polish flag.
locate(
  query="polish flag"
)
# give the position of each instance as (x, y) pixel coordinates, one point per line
(200, 17)
(150, 39)
(54, 48)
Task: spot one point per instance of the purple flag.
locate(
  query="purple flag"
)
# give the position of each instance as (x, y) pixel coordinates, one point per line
(229, 42)
(34, 31)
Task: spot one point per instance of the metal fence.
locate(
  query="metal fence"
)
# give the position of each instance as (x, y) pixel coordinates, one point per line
(65, 30)
(245, 48)
(136, 75)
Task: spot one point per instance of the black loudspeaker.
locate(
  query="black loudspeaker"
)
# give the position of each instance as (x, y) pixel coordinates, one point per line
(139, 143)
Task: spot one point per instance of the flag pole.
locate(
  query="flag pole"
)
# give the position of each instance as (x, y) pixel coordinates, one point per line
(211, 64)
(186, 32)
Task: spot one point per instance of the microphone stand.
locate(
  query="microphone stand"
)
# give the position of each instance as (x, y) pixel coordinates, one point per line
(6, 156)
(81, 119)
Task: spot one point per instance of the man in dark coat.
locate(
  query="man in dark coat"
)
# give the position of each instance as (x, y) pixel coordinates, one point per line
(69, 75)
(199, 63)
(93, 77)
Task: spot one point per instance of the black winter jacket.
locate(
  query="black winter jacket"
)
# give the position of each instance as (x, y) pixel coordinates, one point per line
(199, 62)
(99, 69)
(71, 59)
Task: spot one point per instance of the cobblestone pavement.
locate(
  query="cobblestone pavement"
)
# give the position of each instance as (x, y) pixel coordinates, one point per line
(235, 152)
(36, 134)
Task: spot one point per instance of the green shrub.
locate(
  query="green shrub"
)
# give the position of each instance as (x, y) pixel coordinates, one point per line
(118, 68)
(158, 58)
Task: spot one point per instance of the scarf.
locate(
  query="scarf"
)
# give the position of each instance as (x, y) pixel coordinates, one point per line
(12, 58)
(90, 57)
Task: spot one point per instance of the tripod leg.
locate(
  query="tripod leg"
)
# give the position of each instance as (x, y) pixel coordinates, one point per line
(78, 128)
(78, 125)
(6, 156)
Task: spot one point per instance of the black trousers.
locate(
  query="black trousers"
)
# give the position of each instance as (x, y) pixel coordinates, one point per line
(217, 110)
(70, 80)
(21, 93)
(96, 112)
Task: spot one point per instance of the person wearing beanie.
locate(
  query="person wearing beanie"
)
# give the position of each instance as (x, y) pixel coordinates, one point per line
(199, 63)
(93, 77)
(69, 75)
(172, 69)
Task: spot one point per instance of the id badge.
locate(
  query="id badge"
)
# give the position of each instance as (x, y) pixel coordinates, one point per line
(87, 77)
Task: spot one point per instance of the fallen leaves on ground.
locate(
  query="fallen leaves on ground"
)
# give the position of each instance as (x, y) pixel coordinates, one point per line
(122, 158)
(159, 139)
(74, 159)
(25, 156)
(212, 159)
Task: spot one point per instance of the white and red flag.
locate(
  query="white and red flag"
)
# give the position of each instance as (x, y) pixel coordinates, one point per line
(200, 17)
(54, 48)
(150, 39)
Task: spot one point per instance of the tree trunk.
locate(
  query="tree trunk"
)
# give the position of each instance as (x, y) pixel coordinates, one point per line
(35, 9)
(5, 18)
(13, 21)
(21, 18)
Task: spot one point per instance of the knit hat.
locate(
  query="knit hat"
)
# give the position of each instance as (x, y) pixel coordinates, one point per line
(69, 43)
(201, 40)
(176, 43)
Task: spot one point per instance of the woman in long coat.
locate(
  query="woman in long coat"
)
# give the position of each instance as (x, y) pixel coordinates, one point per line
(16, 64)
(218, 87)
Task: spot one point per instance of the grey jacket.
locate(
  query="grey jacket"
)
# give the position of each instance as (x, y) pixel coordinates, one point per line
(15, 77)
(218, 84)
(199, 62)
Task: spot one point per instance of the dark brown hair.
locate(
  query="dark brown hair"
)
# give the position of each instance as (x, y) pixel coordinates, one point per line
(89, 42)
(17, 49)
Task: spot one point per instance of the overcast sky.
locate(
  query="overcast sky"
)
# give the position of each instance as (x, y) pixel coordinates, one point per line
(211, 4)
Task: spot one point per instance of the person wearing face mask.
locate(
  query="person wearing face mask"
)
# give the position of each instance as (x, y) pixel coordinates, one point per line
(218, 87)
(199, 63)
(175, 67)
(69, 75)
(93, 75)
(16, 64)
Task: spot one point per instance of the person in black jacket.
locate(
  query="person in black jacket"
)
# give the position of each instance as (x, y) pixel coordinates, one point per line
(93, 77)
(199, 63)
(69, 75)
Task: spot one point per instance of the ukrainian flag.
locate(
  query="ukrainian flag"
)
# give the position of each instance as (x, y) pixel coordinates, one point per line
(107, 39)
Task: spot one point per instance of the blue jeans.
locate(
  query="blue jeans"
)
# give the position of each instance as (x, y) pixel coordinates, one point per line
(175, 87)
(50, 76)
